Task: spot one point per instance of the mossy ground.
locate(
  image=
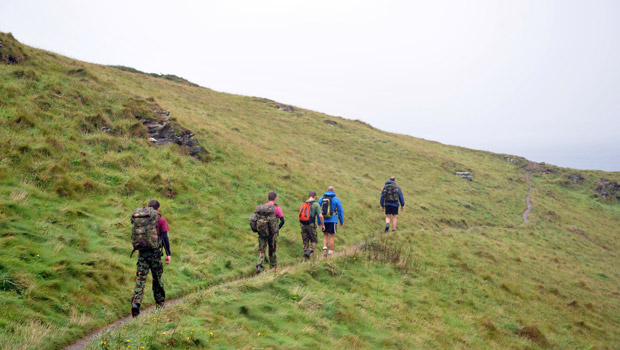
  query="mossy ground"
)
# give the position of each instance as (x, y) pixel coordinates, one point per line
(67, 189)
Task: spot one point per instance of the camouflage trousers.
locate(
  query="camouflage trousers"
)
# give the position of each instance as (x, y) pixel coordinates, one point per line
(149, 260)
(308, 236)
(270, 242)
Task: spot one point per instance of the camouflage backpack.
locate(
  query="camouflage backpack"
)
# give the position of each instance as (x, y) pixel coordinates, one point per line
(145, 235)
(390, 192)
(264, 221)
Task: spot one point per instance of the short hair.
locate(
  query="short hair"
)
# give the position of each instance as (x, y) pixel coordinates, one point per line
(154, 204)
(331, 189)
(392, 178)
(312, 194)
(271, 196)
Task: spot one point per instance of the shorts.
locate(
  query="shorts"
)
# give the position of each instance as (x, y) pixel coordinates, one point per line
(330, 227)
(391, 210)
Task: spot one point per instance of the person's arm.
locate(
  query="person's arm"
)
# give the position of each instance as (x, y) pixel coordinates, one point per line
(281, 223)
(166, 241)
(381, 201)
(340, 213)
(322, 222)
(401, 197)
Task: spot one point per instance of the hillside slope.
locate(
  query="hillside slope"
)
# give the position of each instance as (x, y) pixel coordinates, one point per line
(76, 160)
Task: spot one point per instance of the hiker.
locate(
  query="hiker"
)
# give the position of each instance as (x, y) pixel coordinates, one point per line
(332, 212)
(307, 213)
(391, 195)
(150, 232)
(271, 239)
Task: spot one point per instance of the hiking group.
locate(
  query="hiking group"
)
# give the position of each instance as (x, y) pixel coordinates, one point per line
(150, 233)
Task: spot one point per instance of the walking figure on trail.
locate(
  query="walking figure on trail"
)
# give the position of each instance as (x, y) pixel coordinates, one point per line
(308, 213)
(391, 196)
(265, 223)
(149, 234)
(332, 212)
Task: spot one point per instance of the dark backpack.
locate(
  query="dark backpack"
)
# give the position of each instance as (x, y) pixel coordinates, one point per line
(390, 192)
(264, 221)
(304, 212)
(144, 234)
(326, 207)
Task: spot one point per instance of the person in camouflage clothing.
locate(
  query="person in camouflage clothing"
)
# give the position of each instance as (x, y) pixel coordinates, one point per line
(270, 242)
(308, 230)
(151, 260)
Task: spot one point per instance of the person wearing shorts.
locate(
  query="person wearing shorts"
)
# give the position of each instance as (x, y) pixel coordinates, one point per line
(331, 216)
(391, 206)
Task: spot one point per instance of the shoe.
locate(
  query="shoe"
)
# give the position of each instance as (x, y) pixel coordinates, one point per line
(159, 305)
(135, 310)
(387, 228)
(259, 268)
(393, 230)
(307, 254)
(330, 252)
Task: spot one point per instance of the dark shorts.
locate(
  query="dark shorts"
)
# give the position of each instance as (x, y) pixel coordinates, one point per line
(330, 227)
(391, 210)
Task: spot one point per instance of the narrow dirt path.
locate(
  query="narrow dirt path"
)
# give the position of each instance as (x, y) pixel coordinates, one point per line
(82, 343)
(528, 199)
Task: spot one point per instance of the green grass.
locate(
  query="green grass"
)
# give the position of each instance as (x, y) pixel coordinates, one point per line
(67, 190)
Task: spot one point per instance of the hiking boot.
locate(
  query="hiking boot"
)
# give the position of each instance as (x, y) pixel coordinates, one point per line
(387, 228)
(159, 305)
(393, 230)
(307, 254)
(330, 252)
(259, 269)
(135, 310)
(325, 251)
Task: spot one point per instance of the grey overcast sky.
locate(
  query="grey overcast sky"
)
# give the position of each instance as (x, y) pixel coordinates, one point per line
(539, 79)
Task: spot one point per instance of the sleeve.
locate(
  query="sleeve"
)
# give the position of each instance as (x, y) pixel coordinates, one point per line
(401, 197)
(281, 223)
(340, 212)
(278, 212)
(381, 200)
(166, 241)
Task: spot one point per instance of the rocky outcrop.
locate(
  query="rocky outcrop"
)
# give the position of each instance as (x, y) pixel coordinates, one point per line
(534, 168)
(162, 132)
(606, 189)
(286, 108)
(464, 174)
(576, 178)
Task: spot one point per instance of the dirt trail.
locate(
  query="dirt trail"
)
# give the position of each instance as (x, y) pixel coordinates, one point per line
(528, 199)
(82, 343)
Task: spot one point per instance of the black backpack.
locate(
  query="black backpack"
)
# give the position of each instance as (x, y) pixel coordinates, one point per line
(326, 207)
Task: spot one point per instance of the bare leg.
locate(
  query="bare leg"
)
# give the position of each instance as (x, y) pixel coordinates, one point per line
(331, 241)
(394, 221)
(387, 218)
(325, 239)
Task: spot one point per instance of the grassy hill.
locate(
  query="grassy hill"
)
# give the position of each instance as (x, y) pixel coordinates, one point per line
(463, 271)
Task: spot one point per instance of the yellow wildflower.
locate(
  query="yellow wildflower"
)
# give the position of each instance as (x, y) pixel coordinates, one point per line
(164, 333)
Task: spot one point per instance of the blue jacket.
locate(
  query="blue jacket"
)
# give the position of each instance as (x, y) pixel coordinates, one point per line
(336, 207)
(394, 203)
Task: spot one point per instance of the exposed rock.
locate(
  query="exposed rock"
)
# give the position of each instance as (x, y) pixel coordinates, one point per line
(330, 122)
(106, 129)
(161, 132)
(286, 108)
(576, 178)
(464, 174)
(534, 167)
(607, 189)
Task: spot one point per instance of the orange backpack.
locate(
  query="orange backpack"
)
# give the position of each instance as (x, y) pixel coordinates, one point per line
(304, 213)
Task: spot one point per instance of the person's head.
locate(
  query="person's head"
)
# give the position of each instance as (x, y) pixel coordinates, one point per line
(272, 196)
(331, 189)
(393, 179)
(312, 194)
(154, 204)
